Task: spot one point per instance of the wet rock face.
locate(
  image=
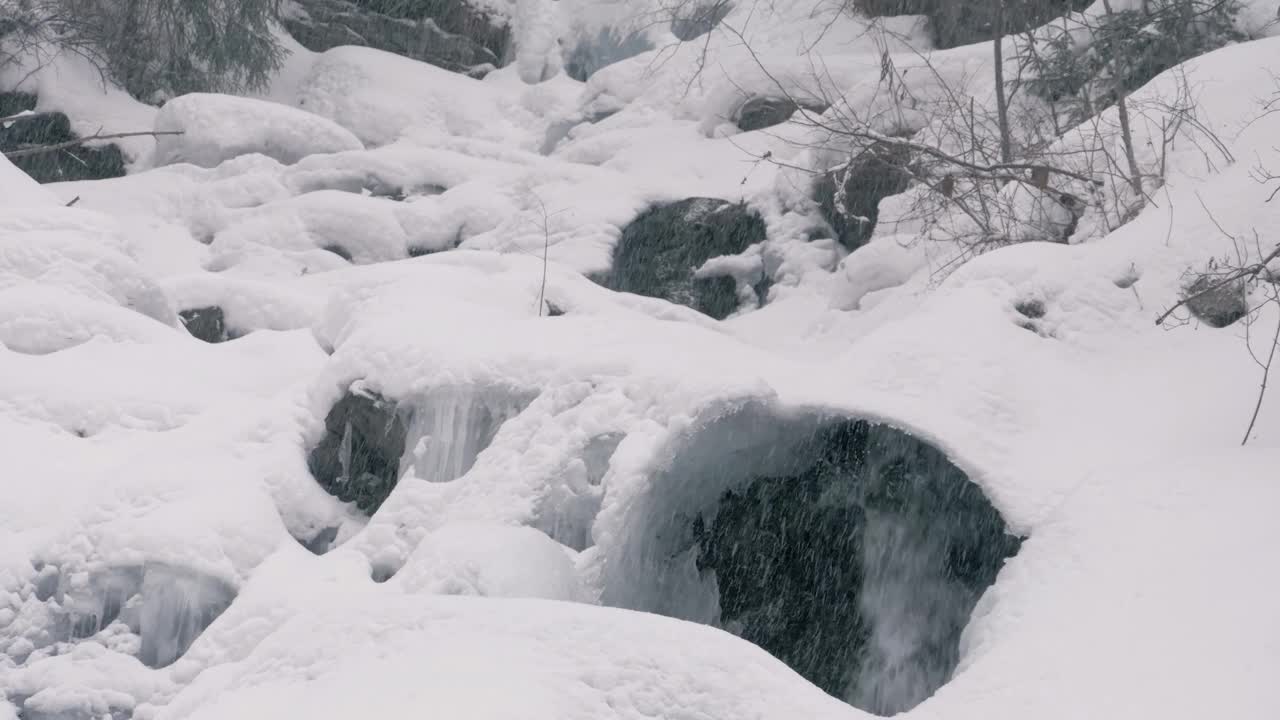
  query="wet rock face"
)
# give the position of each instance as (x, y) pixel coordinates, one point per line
(762, 112)
(662, 248)
(358, 459)
(446, 33)
(860, 571)
(849, 198)
(72, 163)
(208, 324)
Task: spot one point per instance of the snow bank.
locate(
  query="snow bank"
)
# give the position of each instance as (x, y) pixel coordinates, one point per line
(215, 128)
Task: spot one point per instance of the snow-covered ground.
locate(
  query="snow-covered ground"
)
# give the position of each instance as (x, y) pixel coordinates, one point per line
(373, 226)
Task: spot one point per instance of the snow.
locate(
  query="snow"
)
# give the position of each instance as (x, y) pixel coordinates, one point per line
(214, 128)
(379, 95)
(165, 552)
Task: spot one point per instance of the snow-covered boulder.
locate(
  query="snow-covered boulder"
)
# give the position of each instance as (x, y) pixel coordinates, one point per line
(215, 128)
(378, 95)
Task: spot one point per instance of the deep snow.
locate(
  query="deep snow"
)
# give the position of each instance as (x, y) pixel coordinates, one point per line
(555, 459)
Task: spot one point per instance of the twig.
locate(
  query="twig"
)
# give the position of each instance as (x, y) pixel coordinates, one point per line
(1248, 271)
(1262, 389)
(546, 248)
(74, 200)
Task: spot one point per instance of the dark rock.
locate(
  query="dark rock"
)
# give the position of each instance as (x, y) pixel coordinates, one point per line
(72, 163)
(661, 249)
(762, 112)
(12, 103)
(880, 541)
(208, 324)
(446, 33)
(358, 459)
(1031, 309)
(693, 20)
(877, 172)
(1217, 303)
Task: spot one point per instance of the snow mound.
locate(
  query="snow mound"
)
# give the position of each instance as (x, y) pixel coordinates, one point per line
(39, 319)
(80, 258)
(494, 658)
(215, 128)
(350, 227)
(490, 561)
(379, 95)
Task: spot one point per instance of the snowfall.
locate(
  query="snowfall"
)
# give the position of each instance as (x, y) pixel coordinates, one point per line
(373, 226)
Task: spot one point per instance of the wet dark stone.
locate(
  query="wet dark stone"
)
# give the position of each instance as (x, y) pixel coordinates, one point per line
(358, 459)
(762, 112)
(661, 249)
(71, 163)
(693, 20)
(605, 48)
(208, 324)
(879, 171)
(447, 33)
(1031, 309)
(1217, 303)
(880, 543)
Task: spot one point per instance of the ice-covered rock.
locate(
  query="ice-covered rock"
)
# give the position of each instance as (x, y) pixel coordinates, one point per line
(211, 129)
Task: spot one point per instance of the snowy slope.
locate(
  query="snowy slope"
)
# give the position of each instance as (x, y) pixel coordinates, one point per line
(563, 434)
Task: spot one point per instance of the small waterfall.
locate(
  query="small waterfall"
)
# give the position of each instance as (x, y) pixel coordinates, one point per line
(452, 426)
(860, 567)
(177, 605)
(165, 605)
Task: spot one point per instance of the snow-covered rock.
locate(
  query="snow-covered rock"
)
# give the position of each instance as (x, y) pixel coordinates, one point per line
(379, 95)
(210, 129)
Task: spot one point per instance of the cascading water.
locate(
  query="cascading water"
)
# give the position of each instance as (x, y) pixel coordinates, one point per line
(165, 606)
(452, 426)
(853, 552)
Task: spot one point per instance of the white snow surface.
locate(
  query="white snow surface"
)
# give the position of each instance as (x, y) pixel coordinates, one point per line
(523, 563)
(208, 128)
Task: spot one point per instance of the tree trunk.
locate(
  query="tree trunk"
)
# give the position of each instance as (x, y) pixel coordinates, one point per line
(1002, 102)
